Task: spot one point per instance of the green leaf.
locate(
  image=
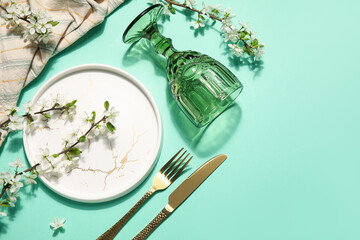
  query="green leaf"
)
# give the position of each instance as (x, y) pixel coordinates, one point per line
(30, 119)
(12, 112)
(247, 51)
(70, 104)
(74, 151)
(172, 10)
(106, 105)
(55, 155)
(5, 204)
(255, 42)
(242, 35)
(82, 139)
(47, 115)
(110, 126)
(93, 116)
(53, 23)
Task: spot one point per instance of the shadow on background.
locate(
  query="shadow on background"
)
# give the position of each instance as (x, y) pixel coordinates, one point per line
(253, 66)
(15, 143)
(3, 228)
(207, 140)
(143, 50)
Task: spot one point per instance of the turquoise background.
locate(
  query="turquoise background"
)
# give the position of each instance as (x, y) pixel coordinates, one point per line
(292, 137)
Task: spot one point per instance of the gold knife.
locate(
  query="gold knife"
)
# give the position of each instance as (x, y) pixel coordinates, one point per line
(181, 193)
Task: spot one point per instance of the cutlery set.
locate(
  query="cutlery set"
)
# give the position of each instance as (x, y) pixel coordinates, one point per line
(163, 179)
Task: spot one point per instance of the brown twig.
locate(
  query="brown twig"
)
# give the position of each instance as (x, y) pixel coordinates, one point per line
(24, 19)
(27, 115)
(66, 150)
(6, 186)
(212, 17)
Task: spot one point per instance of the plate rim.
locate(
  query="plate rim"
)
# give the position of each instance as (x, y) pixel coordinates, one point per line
(94, 66)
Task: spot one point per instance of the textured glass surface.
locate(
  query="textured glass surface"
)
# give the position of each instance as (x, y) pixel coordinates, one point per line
(202, 87)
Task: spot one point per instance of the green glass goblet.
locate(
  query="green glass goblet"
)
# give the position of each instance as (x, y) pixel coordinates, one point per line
(202, 87)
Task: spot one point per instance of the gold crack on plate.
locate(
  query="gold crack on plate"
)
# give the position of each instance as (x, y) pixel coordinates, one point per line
(124, 160)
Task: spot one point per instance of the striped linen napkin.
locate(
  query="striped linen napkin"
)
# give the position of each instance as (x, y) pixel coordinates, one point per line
(21, 62)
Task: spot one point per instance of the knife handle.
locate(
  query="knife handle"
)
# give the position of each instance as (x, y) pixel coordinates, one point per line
(152, 225)
(111, 233)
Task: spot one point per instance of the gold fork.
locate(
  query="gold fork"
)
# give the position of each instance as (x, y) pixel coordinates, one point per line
(167, 175)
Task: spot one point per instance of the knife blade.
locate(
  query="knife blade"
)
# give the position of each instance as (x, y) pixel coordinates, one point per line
(182, 192)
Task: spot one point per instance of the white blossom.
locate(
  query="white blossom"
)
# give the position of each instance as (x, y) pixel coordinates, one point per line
(31, 179)
(56, 172)
(38, 14)
(13, 196)
(11, 15)
(72, 137)
(85, 120)
(230, 33)
(70, 112)
(58, 99)
(3, 134)
(99, 129)
(258, 52)
(69, 165)
(198, 23)
(243, 25)
(43, 26)
(2, 180)
(58, 223)
(29, 107)
(252, 35)
(45, 38)
(43, 154)
(23, 11)
(2, 214)
(9, 109)
(166, 11)
(16, 184)
(112, 114)
(30, 127)
(41, 169)
(236, 50)
(211, 10)
(5, 177)
(17, 164)
(190, 3)
(228, 15)
(43, 104)
(16, 122)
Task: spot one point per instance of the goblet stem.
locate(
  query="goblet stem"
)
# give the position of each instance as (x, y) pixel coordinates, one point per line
(162, 45)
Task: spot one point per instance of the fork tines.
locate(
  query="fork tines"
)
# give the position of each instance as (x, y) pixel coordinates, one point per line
(172, 169)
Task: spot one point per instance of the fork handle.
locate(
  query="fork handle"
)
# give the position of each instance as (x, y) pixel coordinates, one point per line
(111, 233)
(152, 225)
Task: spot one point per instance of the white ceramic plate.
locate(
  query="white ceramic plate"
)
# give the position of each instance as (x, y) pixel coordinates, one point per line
(134, 146)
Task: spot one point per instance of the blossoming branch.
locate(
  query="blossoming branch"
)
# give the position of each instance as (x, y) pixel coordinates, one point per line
(34, 25)
(35, 118)
(242, 38)
(50, 165)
